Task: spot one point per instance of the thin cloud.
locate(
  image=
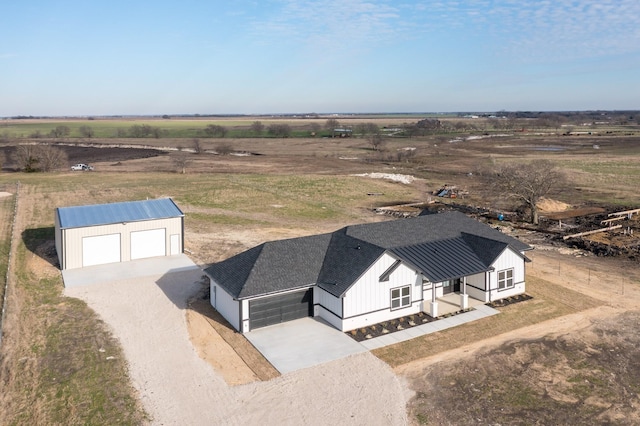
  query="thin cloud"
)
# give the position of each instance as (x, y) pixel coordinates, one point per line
(330, 23)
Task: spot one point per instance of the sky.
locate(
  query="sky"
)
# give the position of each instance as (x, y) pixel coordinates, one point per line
(117, 57)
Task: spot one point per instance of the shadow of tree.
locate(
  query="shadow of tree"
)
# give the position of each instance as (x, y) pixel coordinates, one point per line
(41, 242)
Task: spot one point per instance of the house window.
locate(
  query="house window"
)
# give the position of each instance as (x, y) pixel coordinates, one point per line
(386, 274)
(505, 279)
(400, 297)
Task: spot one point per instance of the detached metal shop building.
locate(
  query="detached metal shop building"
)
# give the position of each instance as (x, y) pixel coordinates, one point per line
(118, 232)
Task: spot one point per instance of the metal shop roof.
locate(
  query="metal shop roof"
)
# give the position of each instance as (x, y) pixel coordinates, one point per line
(105, 214)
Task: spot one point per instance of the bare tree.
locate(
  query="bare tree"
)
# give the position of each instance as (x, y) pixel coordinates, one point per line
(257, 127)
(527, 182)
(331, 124)
(197, 146)
(376, 140)
(213, 130)
(367, 128)
(279, 130)
(224, 149)
(60, 131)
(86, 132)
(181, 160)
(44, 158)
(26, 157)
(51, 158)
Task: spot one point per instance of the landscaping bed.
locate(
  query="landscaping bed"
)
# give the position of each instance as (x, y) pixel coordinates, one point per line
(391, 326)
(509, 300)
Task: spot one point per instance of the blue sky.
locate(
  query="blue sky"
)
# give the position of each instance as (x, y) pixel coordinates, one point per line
(285, 56)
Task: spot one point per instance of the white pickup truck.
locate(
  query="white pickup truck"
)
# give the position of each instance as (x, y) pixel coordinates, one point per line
(81, 167)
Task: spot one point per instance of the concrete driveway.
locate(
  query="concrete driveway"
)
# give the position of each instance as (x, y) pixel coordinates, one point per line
(302, 343)
(97, 274)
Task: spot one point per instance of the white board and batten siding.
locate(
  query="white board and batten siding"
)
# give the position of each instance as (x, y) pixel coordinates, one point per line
(328, 307)
(368, 301)
(224, 303)
(509, 259)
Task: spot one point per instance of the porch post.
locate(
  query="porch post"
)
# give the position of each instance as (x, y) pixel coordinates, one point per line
(433, 311)
(464, 297)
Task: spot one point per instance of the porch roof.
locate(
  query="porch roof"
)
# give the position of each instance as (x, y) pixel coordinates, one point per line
(447, 259)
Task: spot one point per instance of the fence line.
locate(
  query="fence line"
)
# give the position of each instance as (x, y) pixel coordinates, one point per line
(6, 283)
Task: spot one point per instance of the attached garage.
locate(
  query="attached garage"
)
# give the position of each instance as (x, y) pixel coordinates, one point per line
(276, 309)
(118, 232)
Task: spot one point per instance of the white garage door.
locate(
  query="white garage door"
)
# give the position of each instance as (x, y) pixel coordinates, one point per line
(150, 243)
(101, 249)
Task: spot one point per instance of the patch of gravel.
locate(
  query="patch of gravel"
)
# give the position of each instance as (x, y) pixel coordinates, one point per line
(176, 386)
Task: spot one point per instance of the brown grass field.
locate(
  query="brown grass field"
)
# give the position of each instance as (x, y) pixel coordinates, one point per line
(51, 371)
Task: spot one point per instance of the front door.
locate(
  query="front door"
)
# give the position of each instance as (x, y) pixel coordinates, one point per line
(451, 286)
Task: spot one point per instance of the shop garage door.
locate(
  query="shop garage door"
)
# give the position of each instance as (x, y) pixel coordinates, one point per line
(150, 243)
(100, 249)
(277, 309)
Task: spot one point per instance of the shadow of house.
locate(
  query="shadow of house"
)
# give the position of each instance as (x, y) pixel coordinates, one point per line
(182, 284)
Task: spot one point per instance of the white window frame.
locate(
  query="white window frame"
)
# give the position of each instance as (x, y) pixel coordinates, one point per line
(505, 279)
(403, 298)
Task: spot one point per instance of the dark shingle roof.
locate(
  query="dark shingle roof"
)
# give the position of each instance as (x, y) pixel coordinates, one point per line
(272, 267)
(442, 246)
(434, 227)
(347, 258)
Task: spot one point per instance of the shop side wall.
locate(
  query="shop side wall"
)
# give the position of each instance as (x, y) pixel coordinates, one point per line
(58, 237)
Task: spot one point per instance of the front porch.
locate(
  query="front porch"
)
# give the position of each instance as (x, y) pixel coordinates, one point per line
(452, 302)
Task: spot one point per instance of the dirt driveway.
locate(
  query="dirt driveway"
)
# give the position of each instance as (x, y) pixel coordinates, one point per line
(177, 387)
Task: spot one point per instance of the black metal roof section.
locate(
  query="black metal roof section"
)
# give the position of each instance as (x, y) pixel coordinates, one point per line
(443, 260)
(272, 267)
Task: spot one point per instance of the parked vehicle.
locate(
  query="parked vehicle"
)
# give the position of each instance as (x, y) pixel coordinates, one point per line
(81, 167)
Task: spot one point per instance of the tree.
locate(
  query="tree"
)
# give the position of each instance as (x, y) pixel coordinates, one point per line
(279, 130)
(86, 132)
(60, 131)
(213, 130)
(34, 158)
(376, 140)
(527, 182)
(50, 158)
(197, 146)
(331, 124)
(26, 157)
(367, 128)
(181, 160)
(257, 127)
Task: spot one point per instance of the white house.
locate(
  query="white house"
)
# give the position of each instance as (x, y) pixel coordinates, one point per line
(117, 232)
(365, 274)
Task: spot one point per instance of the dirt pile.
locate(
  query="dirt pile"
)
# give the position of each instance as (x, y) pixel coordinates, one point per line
(547, 205)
